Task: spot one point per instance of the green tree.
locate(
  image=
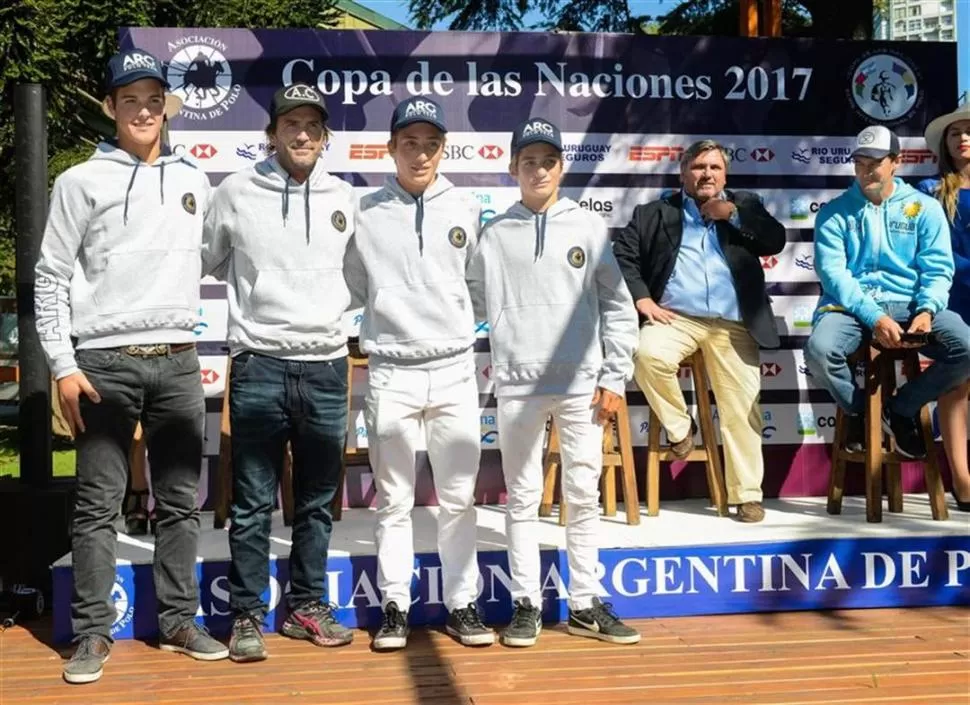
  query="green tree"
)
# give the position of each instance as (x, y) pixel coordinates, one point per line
(64, 44)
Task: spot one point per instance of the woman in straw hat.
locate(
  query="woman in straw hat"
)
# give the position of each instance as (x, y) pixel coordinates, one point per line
(949, 138)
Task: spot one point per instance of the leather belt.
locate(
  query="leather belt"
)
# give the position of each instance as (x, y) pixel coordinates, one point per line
(157, 350)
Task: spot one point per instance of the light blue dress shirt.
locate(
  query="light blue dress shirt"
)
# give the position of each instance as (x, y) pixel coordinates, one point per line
(701, 284)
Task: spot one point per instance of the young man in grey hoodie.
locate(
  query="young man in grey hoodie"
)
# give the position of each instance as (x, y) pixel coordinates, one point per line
(277, 233)
(407, 265)
(563, 330)
(119, 270)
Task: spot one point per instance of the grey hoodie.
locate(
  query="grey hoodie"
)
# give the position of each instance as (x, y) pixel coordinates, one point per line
(280, 245)
(119, 262)
(555, 300)
(406, 265)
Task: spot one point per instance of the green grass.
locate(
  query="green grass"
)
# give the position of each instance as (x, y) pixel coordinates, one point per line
(10, 454)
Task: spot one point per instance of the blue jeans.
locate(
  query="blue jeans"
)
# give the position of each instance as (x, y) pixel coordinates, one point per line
(272, 401)
(837, 335)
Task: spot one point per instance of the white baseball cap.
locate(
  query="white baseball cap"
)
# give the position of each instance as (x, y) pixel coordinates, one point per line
(876, 142)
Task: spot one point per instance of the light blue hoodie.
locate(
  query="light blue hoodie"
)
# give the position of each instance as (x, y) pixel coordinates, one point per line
(120, 259)
(898, 251)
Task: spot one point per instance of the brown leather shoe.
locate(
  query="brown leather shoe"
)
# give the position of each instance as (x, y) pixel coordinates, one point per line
(681, 449)
(751, 512)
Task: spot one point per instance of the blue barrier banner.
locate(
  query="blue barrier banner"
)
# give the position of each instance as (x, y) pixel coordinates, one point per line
(836, 573)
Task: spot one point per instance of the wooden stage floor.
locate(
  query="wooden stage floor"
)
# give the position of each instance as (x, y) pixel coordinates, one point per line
(915, 655)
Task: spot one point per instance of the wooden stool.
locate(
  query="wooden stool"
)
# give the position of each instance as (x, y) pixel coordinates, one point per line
(351, 456)
(708, 453)
(617, 452)
(880, 384)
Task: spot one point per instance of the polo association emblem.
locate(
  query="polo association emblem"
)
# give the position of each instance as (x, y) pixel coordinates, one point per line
(188, 203)
(911, 210)
(576, 257)
(457, 237)
(339, 221)
(301, 93)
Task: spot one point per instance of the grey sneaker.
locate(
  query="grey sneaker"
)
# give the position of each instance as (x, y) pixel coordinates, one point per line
(246, 643)
(86, 665)
(525, 626)
(465, 624)
(194, 640)
(314, 621)
(599, 621)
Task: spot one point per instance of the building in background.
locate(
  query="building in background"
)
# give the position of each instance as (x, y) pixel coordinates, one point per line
(353, 15)
(919, 20)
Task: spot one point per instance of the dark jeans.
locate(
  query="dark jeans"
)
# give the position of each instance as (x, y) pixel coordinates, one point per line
(272, 401)
(165, 394)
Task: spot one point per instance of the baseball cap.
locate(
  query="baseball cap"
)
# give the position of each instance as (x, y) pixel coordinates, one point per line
(533, 131)
(132, 65)
(418, 109)
(296, 96)
(876, 142)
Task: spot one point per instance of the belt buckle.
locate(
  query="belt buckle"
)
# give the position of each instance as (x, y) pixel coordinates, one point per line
(146, 350)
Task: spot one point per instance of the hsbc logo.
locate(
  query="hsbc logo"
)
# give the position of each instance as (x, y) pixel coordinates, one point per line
(762, 154)
(769, 262)
(654, 153)
(770, 369)
(368, 152)
(210, 376)
(457, 151)
(203, 151)
(490, 151)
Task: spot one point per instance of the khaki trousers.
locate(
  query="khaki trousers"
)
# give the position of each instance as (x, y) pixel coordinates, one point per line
(734, 368)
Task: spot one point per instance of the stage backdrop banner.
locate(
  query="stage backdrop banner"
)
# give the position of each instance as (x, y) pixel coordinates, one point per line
(628, 106)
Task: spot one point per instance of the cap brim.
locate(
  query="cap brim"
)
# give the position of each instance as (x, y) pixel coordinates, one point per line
(411, 121)
(290, 108)
(537, 139)
(173, 105)
(937, 128)
(871, 153)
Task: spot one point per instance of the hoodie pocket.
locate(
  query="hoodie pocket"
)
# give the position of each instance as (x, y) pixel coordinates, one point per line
(544, 333)
(301, 300)
(144, 280)
(422, 312)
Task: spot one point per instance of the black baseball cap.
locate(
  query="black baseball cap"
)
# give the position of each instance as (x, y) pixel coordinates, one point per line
(132, 65)
(418, 109)
(296, 96)
(533, 131)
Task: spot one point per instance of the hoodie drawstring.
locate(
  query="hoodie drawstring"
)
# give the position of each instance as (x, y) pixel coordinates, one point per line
(540, 234)
(419, 222)
(286, 199)
(306, 209)
(161, 183)
(131, 183)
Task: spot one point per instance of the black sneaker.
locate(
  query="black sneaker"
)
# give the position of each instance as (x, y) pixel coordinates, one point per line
(907, 434)
(465, 624)
(393, 633)
(194, 640)
(855, 433)
(314, 622)
(600, 622)
(246, 643)
(525, 626)
(86, 665)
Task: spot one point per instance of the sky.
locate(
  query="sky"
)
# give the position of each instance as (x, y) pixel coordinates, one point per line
(398, 9)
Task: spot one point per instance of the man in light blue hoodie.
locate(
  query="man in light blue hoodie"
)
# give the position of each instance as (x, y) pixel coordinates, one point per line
(277, 233)
(882, 253)
(563, 330)
(407, 265)
(133, 208)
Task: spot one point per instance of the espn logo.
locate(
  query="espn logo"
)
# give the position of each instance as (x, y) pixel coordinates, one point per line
(368, 152)
(654, 153)
(916, 156)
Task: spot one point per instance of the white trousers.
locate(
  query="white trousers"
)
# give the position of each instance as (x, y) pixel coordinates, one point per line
(521, 426)
(401, 404)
